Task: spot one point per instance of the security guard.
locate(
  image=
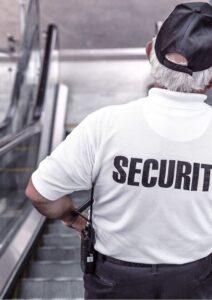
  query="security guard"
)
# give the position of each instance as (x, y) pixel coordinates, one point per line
(150, 162)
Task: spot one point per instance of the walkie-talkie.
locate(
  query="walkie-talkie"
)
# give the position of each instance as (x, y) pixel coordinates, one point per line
(88, 253)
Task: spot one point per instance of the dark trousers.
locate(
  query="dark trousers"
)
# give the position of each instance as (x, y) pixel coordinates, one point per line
(114, 281)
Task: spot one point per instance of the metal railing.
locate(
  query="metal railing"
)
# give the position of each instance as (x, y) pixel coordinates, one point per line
(26, 82)
(19, 246)
(19, 138)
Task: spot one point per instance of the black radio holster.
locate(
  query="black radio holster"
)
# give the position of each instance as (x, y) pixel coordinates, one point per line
(88, 253)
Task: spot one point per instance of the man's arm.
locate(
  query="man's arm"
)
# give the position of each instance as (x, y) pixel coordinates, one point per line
(58, 209)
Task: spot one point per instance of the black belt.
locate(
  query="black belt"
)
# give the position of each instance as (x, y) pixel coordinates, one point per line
(134, 264)
(121, 262)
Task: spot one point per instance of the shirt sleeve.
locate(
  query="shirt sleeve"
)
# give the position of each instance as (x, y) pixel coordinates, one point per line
(69, 167)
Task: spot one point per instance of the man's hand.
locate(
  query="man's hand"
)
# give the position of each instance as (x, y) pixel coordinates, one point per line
(77, 223)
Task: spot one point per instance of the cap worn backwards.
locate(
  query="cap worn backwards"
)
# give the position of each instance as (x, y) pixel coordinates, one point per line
(188, 32)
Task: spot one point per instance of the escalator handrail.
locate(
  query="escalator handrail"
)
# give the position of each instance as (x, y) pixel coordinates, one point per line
(52, 38)
(11, 141)
(51, 42)
(15, 140)
(18, 79)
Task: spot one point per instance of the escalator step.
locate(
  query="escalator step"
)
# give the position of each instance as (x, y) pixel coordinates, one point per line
(58, 253)
(60, 240)
(55, 269)
(50, 289)
(58, 228)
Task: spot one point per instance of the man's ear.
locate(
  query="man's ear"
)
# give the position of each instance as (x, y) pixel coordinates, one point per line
(148, 48)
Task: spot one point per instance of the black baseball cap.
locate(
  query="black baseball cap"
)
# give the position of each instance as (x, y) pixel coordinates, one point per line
(187, 31)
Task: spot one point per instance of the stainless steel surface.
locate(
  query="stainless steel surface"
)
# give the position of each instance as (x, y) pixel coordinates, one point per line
(17, 162)
(8, 68)
(103, 54)
(16, 140)
(28, 72)
(58, 253)
(62, 288)
(9, 261)
(25, 85)
(60, 116)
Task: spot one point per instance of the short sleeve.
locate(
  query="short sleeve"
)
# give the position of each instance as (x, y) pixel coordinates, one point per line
(69, 167)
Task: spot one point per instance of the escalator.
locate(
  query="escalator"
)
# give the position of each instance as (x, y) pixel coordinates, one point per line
(39, 258)
(34, 265)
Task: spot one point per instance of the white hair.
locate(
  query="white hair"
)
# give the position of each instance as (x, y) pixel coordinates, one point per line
(178, 81)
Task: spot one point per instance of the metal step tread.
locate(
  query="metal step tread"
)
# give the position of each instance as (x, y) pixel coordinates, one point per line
(46, 262)
(60, 240)
(46, 288)
(58, 253)
(54, 269)
(59, 247)
(54, 279)
(59, 228)
(62, 235)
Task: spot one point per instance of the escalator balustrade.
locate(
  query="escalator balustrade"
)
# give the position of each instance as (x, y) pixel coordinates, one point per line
(15, 169)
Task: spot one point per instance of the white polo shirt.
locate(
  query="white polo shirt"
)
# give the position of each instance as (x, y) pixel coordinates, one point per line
(150, 161)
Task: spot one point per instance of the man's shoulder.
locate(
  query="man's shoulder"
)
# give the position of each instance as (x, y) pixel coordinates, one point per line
(117, 108)
(107, 116)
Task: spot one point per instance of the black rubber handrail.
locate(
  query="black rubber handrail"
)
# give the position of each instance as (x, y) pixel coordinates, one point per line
(51, 43)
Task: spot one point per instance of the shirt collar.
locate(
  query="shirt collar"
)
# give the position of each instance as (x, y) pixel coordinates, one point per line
(177, 99)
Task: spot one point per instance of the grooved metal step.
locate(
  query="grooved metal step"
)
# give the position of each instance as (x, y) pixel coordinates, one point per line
(55, 269)
(69, 288)
(60, 240)
(58, 228)
(58, 253)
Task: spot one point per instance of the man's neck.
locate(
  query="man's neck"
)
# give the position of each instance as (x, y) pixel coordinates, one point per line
(157, 85)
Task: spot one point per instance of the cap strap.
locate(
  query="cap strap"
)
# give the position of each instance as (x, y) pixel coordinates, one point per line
(176, 67)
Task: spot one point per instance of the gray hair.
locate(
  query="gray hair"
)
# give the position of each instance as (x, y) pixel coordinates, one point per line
(178, 81)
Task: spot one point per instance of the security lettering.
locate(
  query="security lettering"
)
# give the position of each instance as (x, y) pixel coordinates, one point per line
(164, 173)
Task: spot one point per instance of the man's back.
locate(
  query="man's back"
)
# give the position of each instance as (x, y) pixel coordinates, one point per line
(153, 195)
